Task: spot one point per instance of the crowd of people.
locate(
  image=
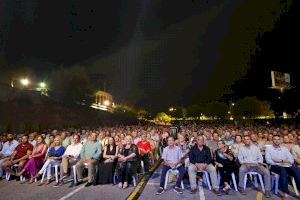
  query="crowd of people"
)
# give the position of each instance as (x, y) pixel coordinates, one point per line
(114, 155)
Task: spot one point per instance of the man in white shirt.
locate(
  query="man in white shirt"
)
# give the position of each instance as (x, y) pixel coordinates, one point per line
(7, 150)
(70, 157)
(250, 158)
(281, 161)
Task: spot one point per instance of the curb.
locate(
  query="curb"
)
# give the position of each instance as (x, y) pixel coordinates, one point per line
(135, 194)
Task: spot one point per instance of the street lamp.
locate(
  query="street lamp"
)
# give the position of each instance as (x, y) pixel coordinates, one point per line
(233, 104)
(42, 85)
(24, 82)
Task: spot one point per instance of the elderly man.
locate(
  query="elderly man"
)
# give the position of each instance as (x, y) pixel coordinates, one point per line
(281, 161)
(200, 160)
(70, 158)
(172, 155)
(7, 149)
(19, 156)
(251, 159)
(89, 154)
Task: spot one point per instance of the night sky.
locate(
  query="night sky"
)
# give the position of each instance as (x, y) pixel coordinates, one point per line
(155, 53)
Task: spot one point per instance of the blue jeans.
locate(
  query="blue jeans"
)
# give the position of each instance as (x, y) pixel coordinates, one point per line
(164, 172)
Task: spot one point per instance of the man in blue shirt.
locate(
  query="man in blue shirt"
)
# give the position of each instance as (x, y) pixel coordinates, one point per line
(281, 161)
(172, 156)
(8, 148)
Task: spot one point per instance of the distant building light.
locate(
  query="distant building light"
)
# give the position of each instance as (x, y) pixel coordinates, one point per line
(233, 104)
(231, 118)
(229, 112)
(106, 103)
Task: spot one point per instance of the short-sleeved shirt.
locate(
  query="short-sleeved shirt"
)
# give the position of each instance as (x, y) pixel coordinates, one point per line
(144, 145)
(22, 149)
(172, 155)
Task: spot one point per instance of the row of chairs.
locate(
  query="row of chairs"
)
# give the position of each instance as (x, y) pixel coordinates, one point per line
(253, 176)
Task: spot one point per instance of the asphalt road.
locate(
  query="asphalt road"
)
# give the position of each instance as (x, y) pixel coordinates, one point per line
(14, 190)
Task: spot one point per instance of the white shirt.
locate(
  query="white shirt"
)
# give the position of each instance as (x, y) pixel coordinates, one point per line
(73, 150)
(279, 153)
(250, 154)
(8, 148)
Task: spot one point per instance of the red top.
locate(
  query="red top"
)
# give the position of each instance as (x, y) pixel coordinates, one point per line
(22, 150)
(144, 145)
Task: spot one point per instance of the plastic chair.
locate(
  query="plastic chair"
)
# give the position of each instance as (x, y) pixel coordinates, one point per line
(56, 166)
(275, 183)
(206, 180)
(254, 174)
(8, 174)
(232, 178)
(167, 178)
(86, 166)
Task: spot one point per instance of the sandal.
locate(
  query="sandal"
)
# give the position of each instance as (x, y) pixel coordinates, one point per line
(120, 185)
(125, 185)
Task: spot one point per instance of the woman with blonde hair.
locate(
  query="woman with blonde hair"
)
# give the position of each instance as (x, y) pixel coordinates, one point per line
(127, 161)
(53, 157)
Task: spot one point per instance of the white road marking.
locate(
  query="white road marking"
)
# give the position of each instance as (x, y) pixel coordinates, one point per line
(201, 193)
(72, 193)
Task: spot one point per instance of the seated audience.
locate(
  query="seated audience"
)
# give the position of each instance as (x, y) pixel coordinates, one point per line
(8, 148)
(200, 159)
(250, 158)
(70, 157)
(225, 165)
(127, 162)
(36, 160)
(90, 155)
(106, 169)
(172, 159)
(281, 161)
(53, 157)
(19, 156)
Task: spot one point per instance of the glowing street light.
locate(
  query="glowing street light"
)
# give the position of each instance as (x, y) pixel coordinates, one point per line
(172, 109)
(43, 85)
(229, 112)
(24, 82)
(233, 104)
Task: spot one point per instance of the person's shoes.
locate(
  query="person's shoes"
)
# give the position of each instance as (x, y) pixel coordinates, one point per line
(60, 183)
(78, 183)
(193, 190)
(178, 190)
(125, 185)
(217, 192)
(242, 191)
(226, 189)
(268, 194)
(72, 184)
(88, 184)
(48, 182)
(160, 191)
(120, 185)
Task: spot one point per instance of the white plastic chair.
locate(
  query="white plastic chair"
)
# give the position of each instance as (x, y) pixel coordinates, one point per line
(206, 179)
(167, 178)
(86, 166)
(8, 174)
(275, 183)
(254, 174)
(56, 166)
(232, 178)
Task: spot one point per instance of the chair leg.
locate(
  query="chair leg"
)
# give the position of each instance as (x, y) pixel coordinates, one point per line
(295, 186)
(276, 179)
(245, 181)
(182, 185)
(219, 178)
(255, 181)
(134, 180)
(234, 181)
(261, 183)
(7, 176)
(207, 180)
(166, 180)
(74, 174)
(56, 173)
(43, 176)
